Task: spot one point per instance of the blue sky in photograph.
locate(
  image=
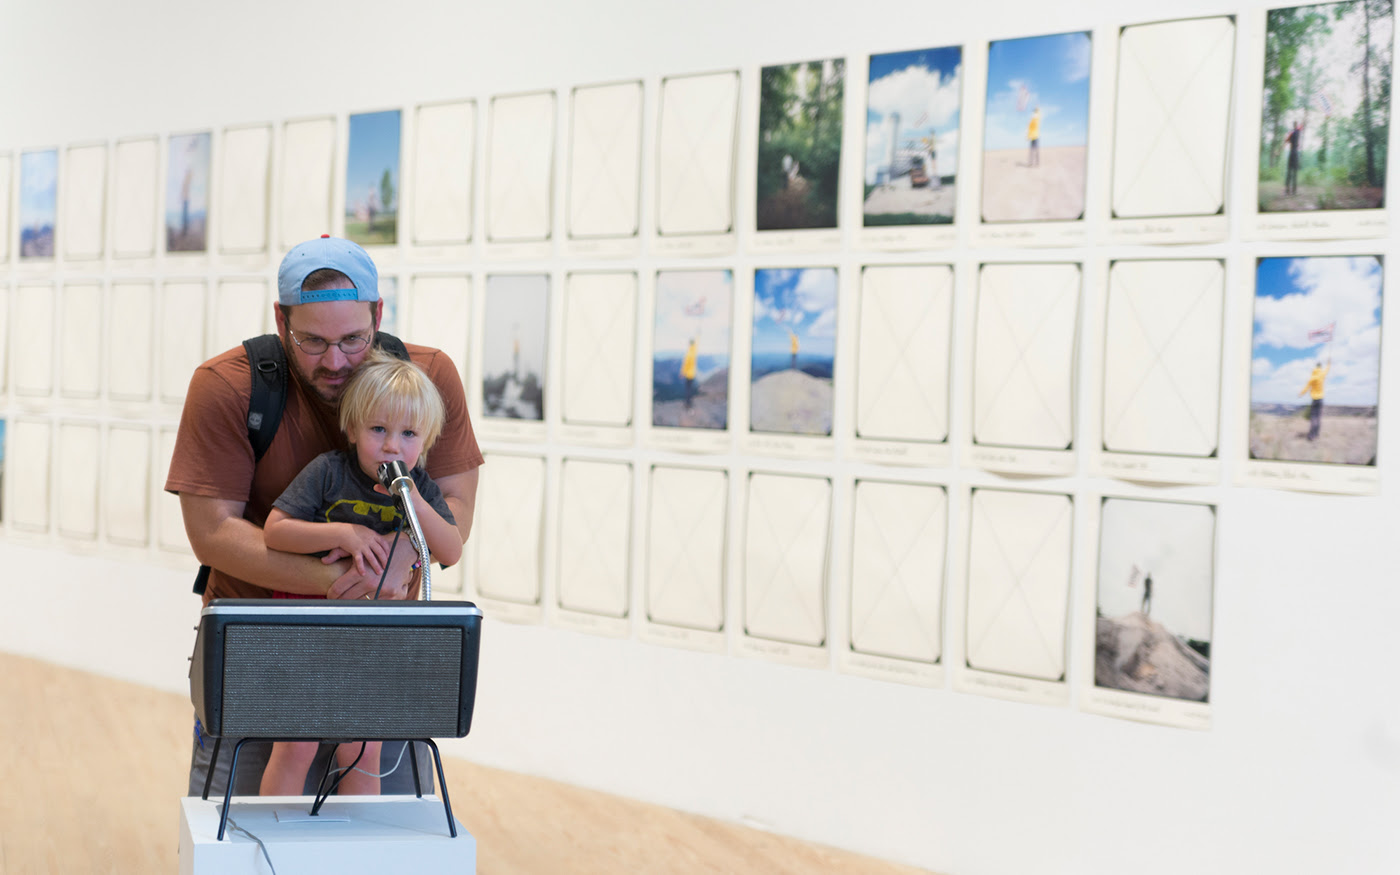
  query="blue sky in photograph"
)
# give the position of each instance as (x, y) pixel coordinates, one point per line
(693, 304)
(1053, 73)
(374, 146)
(802, 300)
(38, 188)
(189, 153)
(925, 88)
(1295, 296)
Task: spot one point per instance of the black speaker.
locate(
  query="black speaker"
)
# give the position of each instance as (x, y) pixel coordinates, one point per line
(315, 669)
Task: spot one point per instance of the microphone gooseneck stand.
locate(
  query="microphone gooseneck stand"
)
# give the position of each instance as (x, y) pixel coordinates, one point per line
(394, 476)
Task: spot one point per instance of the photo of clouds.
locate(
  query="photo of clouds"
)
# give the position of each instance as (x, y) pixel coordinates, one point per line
(690, 349)
(38, 203)
(1315, 368)
(911, 137)
(794, 350)
(1035, 146)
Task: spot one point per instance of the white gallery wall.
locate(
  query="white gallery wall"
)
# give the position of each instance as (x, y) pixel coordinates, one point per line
(1298, 769)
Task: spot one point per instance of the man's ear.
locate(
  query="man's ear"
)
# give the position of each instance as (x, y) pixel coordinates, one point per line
(280, 319)
(378, 312)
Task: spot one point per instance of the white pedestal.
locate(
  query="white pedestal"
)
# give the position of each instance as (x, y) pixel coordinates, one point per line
(352, 834)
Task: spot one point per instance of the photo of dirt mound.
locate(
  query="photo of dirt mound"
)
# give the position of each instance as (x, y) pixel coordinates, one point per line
(1137, 654)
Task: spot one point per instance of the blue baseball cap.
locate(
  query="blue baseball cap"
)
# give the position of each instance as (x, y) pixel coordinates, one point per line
(324, 252)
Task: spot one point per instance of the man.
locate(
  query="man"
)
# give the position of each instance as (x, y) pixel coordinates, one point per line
(1295, 143)
(327, 314)
(1315, 388)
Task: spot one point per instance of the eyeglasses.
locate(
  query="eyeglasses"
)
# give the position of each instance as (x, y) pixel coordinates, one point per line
(318, 345)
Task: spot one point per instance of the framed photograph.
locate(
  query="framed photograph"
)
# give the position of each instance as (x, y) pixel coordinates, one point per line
(912, 117)
(691, 349)
(38, 203)
(793, 355)
(1036, 135)
(187, 193)
(515, 342)
(372, 178)
(1314, 385)
(799, 144)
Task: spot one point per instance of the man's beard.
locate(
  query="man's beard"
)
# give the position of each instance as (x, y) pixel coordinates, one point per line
(316, 374)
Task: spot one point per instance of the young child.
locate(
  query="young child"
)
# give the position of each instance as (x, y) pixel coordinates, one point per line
(390, 411)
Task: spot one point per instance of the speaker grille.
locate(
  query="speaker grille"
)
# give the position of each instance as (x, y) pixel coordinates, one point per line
(302, 681)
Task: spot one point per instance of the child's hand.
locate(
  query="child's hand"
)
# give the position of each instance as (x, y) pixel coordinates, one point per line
(367, 549)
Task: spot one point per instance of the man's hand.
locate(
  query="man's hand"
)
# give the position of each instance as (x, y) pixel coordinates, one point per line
(398, 581)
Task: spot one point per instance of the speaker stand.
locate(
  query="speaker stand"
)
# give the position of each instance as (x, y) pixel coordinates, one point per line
(315, 808)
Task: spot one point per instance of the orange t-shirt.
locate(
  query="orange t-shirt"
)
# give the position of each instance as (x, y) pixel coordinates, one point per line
(213, 458)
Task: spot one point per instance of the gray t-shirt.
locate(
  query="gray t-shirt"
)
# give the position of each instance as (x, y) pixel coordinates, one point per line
(333, 489)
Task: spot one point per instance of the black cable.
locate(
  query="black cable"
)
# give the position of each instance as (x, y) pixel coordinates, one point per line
(320, 799)
(385, 573)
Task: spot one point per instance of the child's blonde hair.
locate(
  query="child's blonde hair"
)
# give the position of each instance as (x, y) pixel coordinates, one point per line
(386, 385)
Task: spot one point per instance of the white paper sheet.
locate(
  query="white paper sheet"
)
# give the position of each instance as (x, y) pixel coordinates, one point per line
(32, 321)
(129, 363)
(4, 337)
(1173, 118)
(170, 523)
(126, 485)
(509, 529)
(79, 449)
(605, 161)
(27, 475)
(1018, 578)
(686, 524)
(898, 548)
(520, 169)
(308, 158)
(444, 158)
(83, 211)
(1023, 376)
(600, 341)
(595, 537)
(785, 558)
(697, 145)
(241, 310)
(439, 312)
(181, 337)
(135, 166)
(905, 335)
(243, 193)
(1162, 357)
(80, 341)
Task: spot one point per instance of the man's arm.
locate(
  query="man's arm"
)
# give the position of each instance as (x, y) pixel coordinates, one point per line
(223, 539)
(459, 490)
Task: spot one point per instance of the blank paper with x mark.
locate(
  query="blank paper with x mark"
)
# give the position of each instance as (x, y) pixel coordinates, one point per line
(898, 546)
(439, 313)
(905, 333)
(181, 337)
(1023, 373)
(520, 168)
(1018, 576)
(697, 144)
(686, 523)
(129, 364)
(243, 189)
(308, 158)
(605, 161)
(126, 516)
(600, 339)
(33, 312)
(444, 146)
(1173, 118)
(785, 552)
(595, 536)
(239, 311)
(27, 469)
(1162, 357)
(6, 168)
(509, 529)
(84, 201)
(75, 481)
(134, 171)
(80, 341)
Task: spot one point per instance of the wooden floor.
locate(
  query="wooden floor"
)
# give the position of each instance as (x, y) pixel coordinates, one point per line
(69, 806)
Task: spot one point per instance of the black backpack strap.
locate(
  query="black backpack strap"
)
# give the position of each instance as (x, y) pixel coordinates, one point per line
(268, 363)
(391, 344)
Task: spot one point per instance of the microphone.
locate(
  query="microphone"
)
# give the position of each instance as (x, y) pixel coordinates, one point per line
(395, 478)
